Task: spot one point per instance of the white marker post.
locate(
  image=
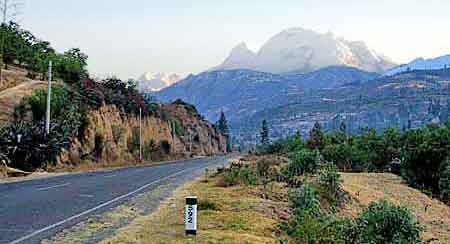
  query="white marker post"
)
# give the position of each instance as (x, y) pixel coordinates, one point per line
(190, 219)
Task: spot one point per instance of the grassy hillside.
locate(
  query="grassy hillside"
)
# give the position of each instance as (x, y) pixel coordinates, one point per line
(432, 213)
(242, 216)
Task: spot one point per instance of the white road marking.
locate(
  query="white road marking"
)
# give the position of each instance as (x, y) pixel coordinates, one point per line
(109, 176)
(99, 206)
(51, 187)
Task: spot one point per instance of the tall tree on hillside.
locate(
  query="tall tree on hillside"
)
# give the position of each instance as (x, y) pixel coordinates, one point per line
(264, 133)
(222, 126)
(316, 137)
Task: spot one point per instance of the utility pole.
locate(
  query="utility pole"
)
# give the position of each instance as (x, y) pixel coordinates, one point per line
(140, 124)
(140, 134)
(49, 98)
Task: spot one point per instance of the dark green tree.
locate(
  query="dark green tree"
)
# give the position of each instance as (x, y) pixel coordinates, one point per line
(316, 138)
(222, 126)
(264, 133)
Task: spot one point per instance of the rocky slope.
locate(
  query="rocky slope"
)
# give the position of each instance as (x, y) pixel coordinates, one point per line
(303, 50)
(110, 136)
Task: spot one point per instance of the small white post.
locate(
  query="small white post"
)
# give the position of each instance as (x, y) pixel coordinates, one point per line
(190, 219)
(49, 98)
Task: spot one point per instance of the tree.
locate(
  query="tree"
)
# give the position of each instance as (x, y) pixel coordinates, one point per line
(316, 138)
(264, 133)
(444, 181)
(222, 126)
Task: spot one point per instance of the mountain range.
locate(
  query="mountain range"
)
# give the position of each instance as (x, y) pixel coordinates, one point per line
(301, 50)
(300, 76)
(244, 92)
(151, 82)
(422, 64)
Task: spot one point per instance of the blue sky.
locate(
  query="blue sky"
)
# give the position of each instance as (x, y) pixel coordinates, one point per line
(128, 38)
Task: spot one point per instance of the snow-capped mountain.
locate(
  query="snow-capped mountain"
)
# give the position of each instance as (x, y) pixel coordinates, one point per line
(150, 82)
(301, 50)
(422, 64)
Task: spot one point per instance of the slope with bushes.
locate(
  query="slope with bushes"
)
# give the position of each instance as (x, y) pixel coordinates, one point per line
(93, 123)
(264, 199)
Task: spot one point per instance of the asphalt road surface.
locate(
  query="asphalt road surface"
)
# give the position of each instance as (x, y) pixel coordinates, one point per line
(37, 209)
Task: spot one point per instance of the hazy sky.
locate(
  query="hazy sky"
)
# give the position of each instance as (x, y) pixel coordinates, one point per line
(128, 38)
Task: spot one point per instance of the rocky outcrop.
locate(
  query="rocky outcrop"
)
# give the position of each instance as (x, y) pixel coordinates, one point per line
(176, 131)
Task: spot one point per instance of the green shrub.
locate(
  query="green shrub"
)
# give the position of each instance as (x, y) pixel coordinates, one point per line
(178, 128)
(304, 227)
(444, 181)
(329, 178)
(383, 222)
(304, 199)
(238, 174)
(424, 150)
(302, 162)
(308, 224)
(61, 102)
(206, 204)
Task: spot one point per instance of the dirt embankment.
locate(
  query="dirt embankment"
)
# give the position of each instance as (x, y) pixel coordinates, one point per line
(13, 88)
(13, 77)
(110, 138)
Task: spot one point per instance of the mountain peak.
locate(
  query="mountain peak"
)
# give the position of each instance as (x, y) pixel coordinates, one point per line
(298, 49)
(241, 46)
(240, 58)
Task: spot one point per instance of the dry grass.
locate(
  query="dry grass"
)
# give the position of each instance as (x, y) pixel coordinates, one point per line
(83, 231)
(242, 217)
(432, 213)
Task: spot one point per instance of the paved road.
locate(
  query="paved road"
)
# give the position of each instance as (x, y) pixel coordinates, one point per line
(33, 210)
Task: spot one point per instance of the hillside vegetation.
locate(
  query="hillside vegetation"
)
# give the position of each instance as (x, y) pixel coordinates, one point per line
(235, 210)
(93, 123)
